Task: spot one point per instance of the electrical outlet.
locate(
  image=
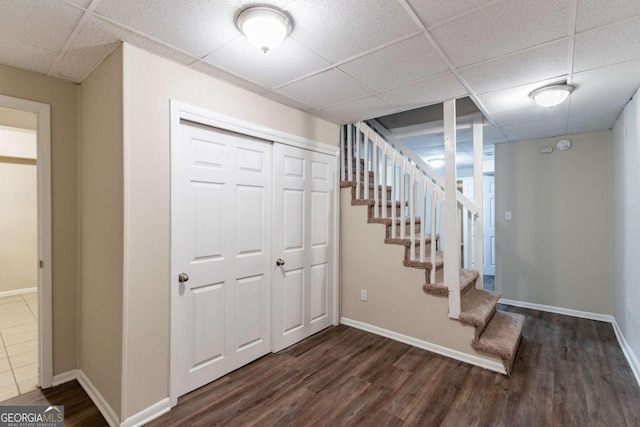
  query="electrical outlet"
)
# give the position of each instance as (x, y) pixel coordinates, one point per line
(363, 295)
(507, 215)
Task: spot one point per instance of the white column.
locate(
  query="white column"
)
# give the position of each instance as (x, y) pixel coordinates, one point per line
(478, 193)
(450, 214)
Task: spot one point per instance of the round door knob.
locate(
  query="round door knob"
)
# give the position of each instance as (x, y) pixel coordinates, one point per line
(183, 277)
(279, 262)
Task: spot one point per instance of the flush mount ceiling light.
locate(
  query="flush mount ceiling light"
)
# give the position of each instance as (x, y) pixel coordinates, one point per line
(264, 26)
(550, 96)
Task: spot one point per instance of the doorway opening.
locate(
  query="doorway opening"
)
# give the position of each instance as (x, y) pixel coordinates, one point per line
(25, 247)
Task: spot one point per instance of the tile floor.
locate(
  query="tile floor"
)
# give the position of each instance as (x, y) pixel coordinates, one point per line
(18, 345)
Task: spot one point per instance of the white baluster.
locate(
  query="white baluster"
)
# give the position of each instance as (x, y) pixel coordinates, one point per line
(350, 151)
(376, 184)
(342, 154)
(434, 241)
(423, 225)
(394, 196)
(383, 150)
(366, 162)
(469, 239)
(403, 199)
(358, 166)
(412, 212)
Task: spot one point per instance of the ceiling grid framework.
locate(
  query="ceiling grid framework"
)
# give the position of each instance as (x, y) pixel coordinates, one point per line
(349, 61)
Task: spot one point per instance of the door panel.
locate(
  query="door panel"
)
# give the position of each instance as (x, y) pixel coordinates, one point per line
(221, 221)
(303, 208)
(489, 198)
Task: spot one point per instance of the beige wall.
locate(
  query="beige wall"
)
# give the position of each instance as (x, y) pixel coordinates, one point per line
(556, 249)
(61, 95)
(395, 299)
(152, 82)
(18, 224)
(101, 228)
(625, 253)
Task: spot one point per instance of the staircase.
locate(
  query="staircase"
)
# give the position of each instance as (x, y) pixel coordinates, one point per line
(409, 200)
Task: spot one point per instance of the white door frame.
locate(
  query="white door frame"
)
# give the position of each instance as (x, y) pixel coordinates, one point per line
(183, 111)
(43, 167)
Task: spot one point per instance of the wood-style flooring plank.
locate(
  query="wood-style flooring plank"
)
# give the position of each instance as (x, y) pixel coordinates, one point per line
(567, 372)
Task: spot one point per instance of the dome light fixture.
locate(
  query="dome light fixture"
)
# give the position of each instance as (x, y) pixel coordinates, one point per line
(550, 96)
(264, 26)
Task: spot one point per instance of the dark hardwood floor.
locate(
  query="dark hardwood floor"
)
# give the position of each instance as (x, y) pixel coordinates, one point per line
(79, 410)
(568, 372)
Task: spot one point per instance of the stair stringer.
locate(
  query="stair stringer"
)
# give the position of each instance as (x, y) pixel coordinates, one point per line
(395, 300)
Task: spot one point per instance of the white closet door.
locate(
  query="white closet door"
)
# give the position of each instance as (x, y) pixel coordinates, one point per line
(303, 288)
(221, 231)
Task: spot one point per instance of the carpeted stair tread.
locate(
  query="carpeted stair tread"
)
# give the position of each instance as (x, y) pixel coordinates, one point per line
(501, 337)
(427, 264)
(477, 308)
(388, 221)
(407, 242)
(467, 279)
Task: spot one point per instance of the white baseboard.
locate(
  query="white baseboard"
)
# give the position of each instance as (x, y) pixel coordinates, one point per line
(107, 412)
(146, 415)
(425, 345)
(151, 413)
(17, 292)
(559, 310)
(628, 352)
(65, 377)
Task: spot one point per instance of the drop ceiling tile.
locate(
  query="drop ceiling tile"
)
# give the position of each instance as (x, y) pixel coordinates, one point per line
(219, 74)
(46, 23)
(324, 116)
(16, 53)
(516, 97)
(244, 59)
(535, 129)
(194, 26)
(379, 70)
(601, 95)
(533, 65)
(338, 30)
(492, 135)
(275, 96)
(592, 14)
(324, 89)
(81, 3)
(98, 38)
(75, 68)
(435, 11)
(533, 113)
(361, 109)
(502, 28)
(608, 45)
(282, 4)
(426, 92)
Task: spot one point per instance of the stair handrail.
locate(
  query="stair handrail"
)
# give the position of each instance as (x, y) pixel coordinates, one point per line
(422, 166)
(416, 196)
